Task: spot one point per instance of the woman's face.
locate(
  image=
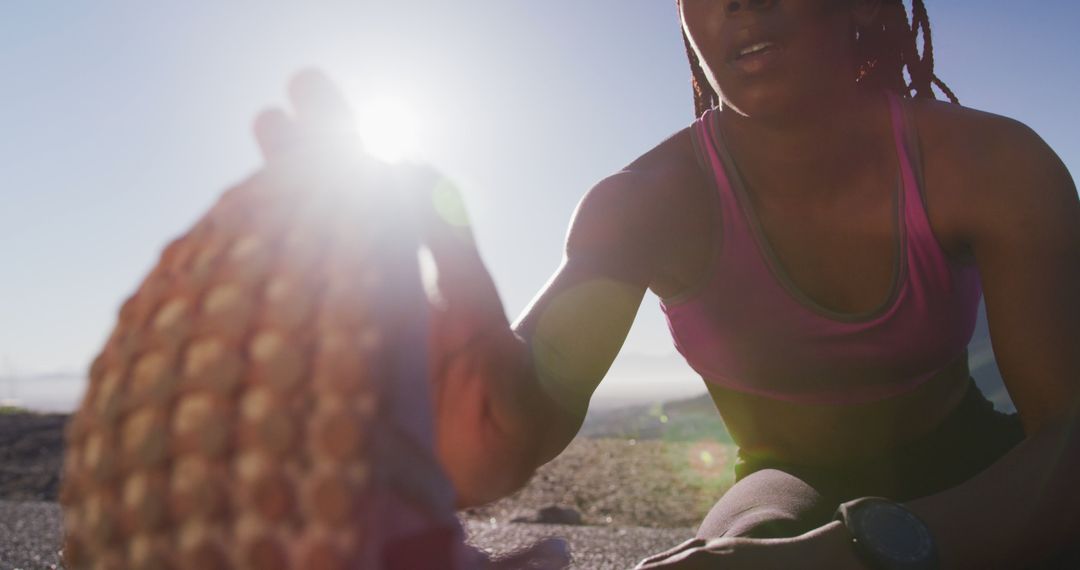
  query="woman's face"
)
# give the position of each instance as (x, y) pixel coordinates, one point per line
(769, 57)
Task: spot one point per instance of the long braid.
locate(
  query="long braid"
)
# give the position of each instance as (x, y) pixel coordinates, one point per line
(704, 96)
(883, 51)
(920, 23)
(920, 68)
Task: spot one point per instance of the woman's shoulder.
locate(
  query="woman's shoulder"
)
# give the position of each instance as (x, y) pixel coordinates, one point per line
(979, 143)
(658, 176)
(979, 166)
(673, 157)
(645, 201)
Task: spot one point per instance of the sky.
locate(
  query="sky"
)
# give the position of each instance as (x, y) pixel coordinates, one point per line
(122, 121)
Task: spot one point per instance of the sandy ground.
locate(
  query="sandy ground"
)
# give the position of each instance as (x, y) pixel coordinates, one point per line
(30, 537)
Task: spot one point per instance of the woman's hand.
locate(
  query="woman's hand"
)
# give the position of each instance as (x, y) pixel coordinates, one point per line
(825, 547)
(320, 118)
(480, 369)
(475, 357)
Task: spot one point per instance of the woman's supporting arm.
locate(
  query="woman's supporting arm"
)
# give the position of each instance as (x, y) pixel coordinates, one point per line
(1024, 229)
(1022, 509)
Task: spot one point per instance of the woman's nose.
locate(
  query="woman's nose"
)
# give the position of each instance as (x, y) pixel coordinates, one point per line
(739, 5)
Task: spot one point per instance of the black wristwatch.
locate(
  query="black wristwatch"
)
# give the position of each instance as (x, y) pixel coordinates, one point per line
(887, 536)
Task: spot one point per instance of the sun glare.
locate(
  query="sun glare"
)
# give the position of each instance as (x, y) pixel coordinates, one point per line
(389, 128)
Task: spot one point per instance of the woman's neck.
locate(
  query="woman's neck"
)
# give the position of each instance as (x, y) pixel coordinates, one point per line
(825, 137)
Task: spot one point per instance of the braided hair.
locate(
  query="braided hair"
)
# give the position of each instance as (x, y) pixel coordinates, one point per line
(884, 50)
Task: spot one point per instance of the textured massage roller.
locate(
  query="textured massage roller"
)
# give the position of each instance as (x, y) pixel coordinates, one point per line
(263, 401)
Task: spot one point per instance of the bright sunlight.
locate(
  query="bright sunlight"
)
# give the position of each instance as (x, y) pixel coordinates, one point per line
(389, 128)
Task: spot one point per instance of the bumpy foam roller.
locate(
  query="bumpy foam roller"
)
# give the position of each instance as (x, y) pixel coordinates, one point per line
(262, 402)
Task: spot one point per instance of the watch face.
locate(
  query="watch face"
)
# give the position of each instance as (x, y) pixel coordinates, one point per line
(892, 533)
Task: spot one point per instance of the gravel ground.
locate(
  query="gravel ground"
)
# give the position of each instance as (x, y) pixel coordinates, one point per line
(616, 486)
(625, 483)
(593, 547)
(31, 449)
(30, 537)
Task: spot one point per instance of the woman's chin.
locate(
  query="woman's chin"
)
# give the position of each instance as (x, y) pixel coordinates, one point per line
(779, 101)
(761, 103)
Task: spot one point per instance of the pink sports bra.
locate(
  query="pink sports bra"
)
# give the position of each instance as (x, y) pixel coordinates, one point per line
(749, 328)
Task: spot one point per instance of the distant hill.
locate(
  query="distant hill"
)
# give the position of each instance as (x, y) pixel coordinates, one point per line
(50, 392)
(983, 367)
(690, 419)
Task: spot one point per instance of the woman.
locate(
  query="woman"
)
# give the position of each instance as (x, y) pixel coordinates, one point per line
(820, 237)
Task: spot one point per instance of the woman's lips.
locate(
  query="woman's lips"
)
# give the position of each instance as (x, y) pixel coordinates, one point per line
(757, 58)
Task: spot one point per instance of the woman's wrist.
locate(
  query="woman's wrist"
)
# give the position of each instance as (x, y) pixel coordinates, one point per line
(835, 544)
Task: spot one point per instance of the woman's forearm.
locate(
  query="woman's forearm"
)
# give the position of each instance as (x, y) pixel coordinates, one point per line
(537, 418)
(517, 426)
(1022, 508)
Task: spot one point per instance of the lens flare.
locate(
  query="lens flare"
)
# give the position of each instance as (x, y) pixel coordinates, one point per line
(389, 128)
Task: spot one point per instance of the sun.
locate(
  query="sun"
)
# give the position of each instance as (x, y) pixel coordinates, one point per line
(389, 128)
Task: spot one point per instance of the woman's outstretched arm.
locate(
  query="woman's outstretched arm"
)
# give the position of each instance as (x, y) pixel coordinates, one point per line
(511, 398)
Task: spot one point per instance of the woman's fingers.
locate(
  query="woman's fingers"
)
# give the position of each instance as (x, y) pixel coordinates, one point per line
(666, 555)
(275, 132)
(445, 221)
(320, 120)
(463, 280)
(320, 106)
(693, 559)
